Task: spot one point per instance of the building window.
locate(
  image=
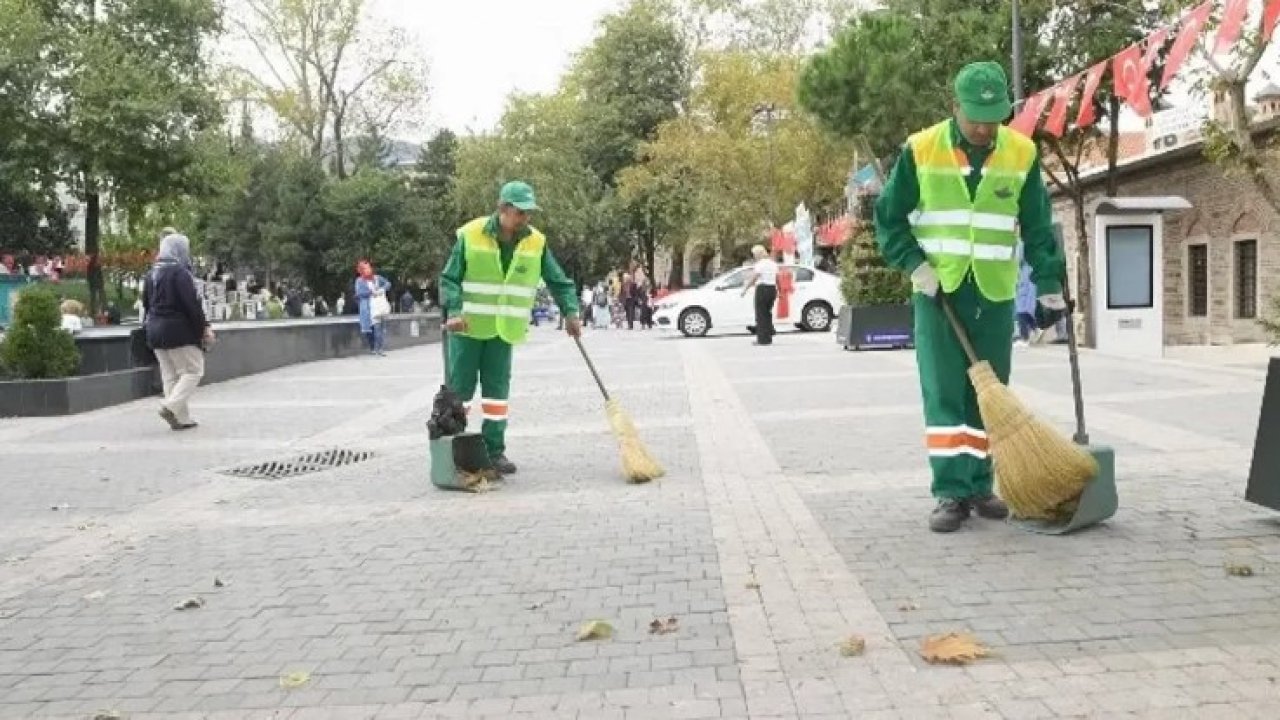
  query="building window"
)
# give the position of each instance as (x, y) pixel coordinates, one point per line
(1130, 279)
(1198, 280)
(1246, 279)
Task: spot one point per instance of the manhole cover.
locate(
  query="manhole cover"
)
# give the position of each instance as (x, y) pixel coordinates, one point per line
(300, 465)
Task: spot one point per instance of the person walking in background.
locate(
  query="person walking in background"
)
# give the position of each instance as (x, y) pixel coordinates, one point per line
(406, 302)
(371, 293)
(600, 312)
(176, 327)
(764, 278)
(1025, 304)
(629, 298)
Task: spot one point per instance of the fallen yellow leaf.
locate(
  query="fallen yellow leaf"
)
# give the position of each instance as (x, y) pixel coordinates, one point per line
(294, 680)
(595, 630)
(952, 648)
(853, 646)
(1239, 570)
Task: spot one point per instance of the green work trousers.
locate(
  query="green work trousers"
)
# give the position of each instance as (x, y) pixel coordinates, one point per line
(954, 434)
(487, 362)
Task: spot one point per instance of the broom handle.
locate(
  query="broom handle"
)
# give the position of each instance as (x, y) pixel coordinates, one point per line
(1082, 435)
(959, 329)
(592, 367)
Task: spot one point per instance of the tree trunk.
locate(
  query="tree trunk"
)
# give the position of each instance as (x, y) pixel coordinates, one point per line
(676, 278)
(93, 249)
(1083, 285)
(1113, 146)
(339, 152)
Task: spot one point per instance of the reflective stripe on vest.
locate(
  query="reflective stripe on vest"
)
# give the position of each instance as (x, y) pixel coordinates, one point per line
(495, 305)
(959, 233)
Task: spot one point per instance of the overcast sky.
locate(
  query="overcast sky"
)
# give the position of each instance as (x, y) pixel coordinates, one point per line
(481, 50)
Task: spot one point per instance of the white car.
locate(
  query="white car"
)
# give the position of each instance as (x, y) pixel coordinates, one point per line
(719, 303)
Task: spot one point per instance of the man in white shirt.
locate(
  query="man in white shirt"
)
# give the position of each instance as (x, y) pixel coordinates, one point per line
(764, 278)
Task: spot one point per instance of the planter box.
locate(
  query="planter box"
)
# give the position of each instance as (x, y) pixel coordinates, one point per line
(876, 326)
(1264, 471)
(68, 396)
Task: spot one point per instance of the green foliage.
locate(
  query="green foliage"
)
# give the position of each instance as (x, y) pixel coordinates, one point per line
(35, 345)
(1271, 323)
(865, 279)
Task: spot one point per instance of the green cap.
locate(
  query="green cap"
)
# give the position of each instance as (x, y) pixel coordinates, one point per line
(983, 92)
(518, 194)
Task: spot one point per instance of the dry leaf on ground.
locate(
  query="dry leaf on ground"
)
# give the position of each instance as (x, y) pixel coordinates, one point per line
(952, 648)
(908, 606)
(753, 585)
(217, 582)
(191, 603)
(662, 627)
(853, 646)
(1239, 570)
(294, 680)
(595, 630)
(107, 715)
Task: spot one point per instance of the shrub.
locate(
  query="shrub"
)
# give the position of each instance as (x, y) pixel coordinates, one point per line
(865, 279)
(36, 346)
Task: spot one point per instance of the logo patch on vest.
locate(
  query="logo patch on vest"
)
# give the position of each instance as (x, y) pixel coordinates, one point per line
(1004, 193)
(522, 269)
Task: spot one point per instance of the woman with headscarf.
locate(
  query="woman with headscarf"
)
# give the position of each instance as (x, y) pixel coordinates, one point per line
(371, 293)
(176, 327)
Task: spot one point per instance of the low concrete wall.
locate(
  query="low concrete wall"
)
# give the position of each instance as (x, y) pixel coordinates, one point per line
(114, 368)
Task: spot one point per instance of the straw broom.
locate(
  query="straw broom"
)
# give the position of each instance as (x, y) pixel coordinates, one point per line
(1037, 469)
(637, 464)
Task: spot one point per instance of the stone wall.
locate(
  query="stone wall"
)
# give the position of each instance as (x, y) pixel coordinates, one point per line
(1225, 209)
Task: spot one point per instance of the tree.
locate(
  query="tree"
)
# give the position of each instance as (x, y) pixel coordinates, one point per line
(121, 95)
(539, 140)
(864, 85)
(1080, 34)
(434, 183)
(1228, 136)
(329, 65)
(736, 174)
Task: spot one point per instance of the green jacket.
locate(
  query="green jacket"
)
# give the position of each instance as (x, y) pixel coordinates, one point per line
(901, 195)
(562, 288)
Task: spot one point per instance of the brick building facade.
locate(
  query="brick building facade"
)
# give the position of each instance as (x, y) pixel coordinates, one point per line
(1221, 258)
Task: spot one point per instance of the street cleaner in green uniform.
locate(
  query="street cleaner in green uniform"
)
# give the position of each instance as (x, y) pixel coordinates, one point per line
(488, 288)
(950, 215)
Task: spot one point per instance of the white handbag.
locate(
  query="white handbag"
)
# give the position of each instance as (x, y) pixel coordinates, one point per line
(379, 307)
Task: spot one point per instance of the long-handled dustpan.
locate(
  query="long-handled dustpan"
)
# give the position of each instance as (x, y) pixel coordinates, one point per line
(459, 459)
(1099, 500)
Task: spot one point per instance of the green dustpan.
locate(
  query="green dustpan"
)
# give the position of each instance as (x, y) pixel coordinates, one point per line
(457, 461)
(1099, 500)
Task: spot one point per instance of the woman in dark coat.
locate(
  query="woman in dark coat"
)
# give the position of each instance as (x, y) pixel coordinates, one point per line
(176, 328)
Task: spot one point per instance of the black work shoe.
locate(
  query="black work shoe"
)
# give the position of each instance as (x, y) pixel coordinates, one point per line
(503, 465)
(989, 506)
(949, 515)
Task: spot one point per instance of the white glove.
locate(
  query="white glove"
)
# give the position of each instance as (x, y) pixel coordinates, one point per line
(925, 279)
(1053, 301)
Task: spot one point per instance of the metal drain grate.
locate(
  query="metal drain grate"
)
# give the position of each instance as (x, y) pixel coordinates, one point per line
(301, 465)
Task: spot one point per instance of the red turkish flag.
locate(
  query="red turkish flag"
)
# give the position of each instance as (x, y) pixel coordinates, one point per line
(1192, 25)
(1155, 41)
(1131, 80)
(1029, 116)
(1232, 24)
(1087, 116)
(1056, 123)
(1270, 14)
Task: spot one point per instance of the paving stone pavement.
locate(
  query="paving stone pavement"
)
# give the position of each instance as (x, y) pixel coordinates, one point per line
(792, 517)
